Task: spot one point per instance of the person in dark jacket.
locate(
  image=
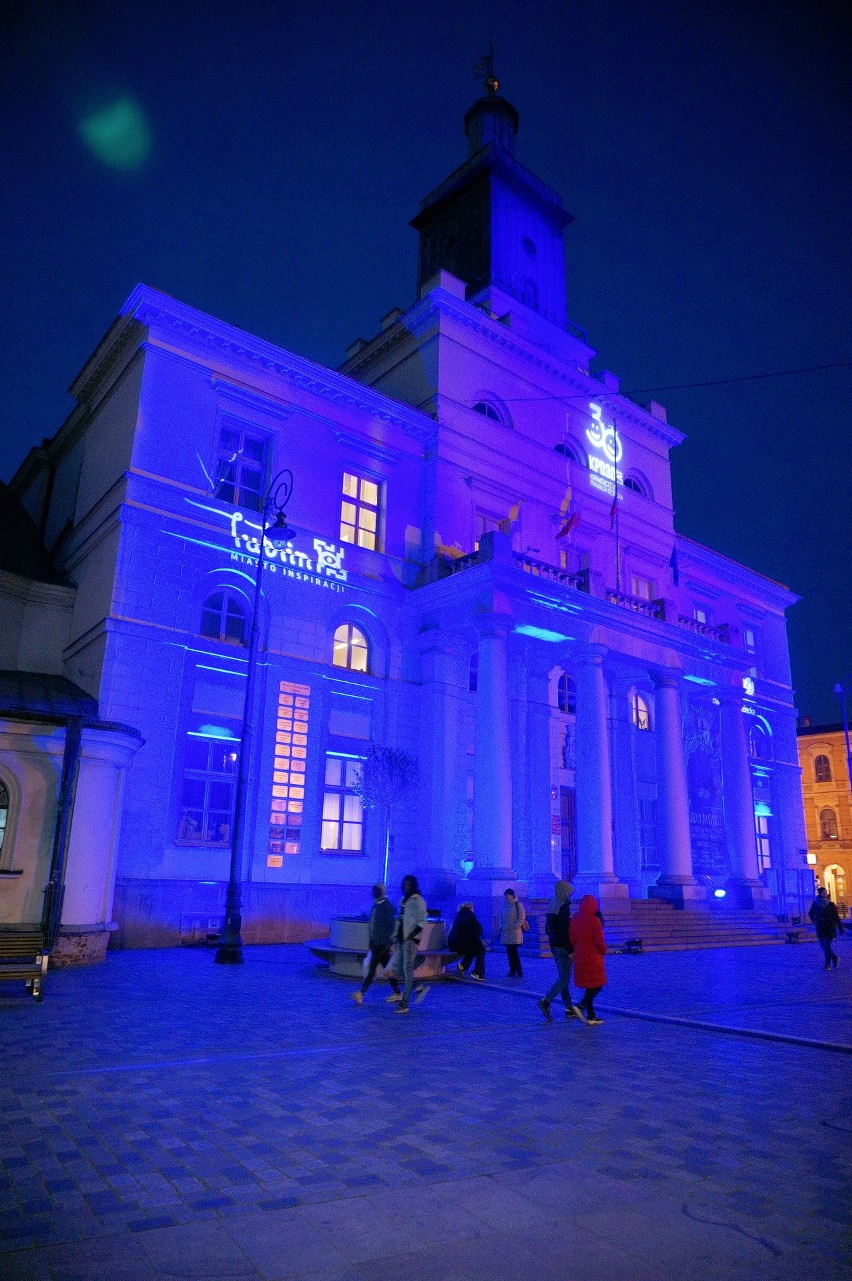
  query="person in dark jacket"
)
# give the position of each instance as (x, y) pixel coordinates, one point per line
(557, 924)
(382, 919)
(587, 938)
(827, 924)
(465, 937)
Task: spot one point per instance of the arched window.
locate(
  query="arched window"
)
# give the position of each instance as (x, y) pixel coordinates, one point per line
(638, 484)
(223, 618)
(828, 825)
(566, 694)
(490, 406)
(4, 813)
(822, 769)
(640, 712)
(350, 648)
(473, 672)
(759, 743)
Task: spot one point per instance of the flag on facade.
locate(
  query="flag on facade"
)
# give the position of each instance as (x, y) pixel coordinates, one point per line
(571, 522)
(673, 565)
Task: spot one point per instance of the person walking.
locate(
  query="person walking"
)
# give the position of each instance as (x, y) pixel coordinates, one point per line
(827, 924)
(587, 939)
(382, 917)
(557, 924)
(409, 928)
(465, 937)
(513, 926)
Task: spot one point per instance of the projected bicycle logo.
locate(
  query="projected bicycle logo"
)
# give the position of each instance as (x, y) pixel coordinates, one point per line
(603, 436)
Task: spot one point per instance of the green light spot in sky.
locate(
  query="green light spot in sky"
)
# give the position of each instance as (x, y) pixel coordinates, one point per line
(118, 134)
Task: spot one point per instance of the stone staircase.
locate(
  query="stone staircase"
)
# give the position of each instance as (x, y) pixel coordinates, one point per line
(664, 928)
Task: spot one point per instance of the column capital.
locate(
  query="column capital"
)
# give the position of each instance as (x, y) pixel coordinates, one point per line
(666, 677)
(590, 655)
(494, 624)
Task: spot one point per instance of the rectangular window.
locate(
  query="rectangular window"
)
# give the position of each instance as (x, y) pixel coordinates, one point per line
(764, 857)
(288, 777)
(699, 614)
(750, 642)
(342, 811)
(241, 468)
(641, 588)
(359, 511)
(648, 833)
(209, 782)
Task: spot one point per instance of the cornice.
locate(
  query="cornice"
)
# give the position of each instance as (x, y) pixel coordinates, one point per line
(33, 591)
(732, 571)
(166, 315)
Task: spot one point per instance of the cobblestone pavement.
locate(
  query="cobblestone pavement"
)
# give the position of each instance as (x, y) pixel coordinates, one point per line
(166, 1117)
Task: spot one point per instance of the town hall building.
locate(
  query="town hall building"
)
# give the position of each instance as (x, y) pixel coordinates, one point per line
(481, 570)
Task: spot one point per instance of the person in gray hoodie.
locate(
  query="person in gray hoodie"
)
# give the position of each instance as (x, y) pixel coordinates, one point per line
(381, 938)
(409, 928)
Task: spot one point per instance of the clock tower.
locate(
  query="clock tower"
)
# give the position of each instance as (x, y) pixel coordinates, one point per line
(493, 223)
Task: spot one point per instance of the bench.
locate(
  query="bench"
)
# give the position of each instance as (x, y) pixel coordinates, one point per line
(23, 957)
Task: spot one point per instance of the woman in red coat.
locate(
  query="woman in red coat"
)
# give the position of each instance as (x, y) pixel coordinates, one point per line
(587, 939)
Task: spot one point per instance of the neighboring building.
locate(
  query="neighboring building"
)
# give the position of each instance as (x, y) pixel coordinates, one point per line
(485, 573)
(828, 811)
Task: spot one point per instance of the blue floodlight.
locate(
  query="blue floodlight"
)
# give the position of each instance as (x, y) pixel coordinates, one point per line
(719, 893)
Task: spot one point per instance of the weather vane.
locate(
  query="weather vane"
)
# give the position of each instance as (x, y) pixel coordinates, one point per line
(485, 67)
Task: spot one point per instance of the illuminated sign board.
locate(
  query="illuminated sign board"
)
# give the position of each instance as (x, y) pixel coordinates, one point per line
(323, 567)
(603, 471)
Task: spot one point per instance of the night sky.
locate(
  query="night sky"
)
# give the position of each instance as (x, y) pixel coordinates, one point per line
(261, 162)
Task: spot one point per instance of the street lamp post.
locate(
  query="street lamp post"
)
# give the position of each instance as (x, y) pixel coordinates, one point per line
(273, 530)
(842, 693)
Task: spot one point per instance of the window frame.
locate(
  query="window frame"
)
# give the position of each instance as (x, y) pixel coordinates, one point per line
(351, 525)
(335, 791)
(209, 777)
(566, 695)
(229, 597)
(350, 646)
(824, 770)
(225, 452)
(825, 835)
(639, 713)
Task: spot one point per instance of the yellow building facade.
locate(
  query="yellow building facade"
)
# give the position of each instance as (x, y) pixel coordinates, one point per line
(828, 807)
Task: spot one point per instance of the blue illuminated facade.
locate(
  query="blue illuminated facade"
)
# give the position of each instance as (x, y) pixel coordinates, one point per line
(484, 573)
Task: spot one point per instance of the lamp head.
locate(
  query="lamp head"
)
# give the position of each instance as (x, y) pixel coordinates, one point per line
(279, 532)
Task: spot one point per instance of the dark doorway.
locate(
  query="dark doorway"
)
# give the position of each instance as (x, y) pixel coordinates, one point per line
(568, 815)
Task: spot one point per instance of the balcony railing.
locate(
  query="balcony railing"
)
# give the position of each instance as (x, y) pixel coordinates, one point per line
(650, 608)
(722, 632)
(540, 569)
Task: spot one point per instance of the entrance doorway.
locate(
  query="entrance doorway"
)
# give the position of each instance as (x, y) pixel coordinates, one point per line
(568, 828)
(834, 879)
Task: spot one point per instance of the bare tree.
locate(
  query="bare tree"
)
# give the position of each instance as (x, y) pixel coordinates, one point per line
(383, 780)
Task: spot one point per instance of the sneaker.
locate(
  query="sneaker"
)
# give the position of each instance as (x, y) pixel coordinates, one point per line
(594, 1021)
(420, 994)
(402, 1008)
(393, 998)
(480, 978)
(544, 1006)
(358, 997)
(579, 1013)
(569, 1012)
(461, 971)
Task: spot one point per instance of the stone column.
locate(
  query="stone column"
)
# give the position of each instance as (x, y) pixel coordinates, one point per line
(595, 874)
(492, 787)
(93, 848)
(676, 882)
(444, 663)
(744, 887)
(535, 862)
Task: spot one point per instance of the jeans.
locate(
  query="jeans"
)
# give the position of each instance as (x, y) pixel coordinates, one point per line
(562, 957)
(827, 950)
(515, 970)
(378, 956)
(405, 964)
